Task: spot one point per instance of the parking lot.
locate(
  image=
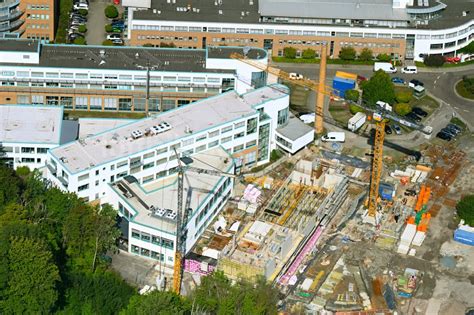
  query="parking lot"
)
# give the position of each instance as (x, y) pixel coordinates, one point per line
(97, 21)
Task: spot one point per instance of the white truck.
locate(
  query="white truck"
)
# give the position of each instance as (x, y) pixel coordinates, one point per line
(356, 121)
(334, 137)
(384, 66)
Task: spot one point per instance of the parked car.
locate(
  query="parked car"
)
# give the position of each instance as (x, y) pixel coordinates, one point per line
(117, 41)
(419, 112)
(452, 59)
(448, 131)
(444, 136)
(81, 6)
(76, 23)
(397, 129)
(296, 76)
(398, 80)
(119, 23)
(388, 130)
(114, 36)
(117, 30)
(74, 36)
(334, 137)
(410, 70)
(455, 127)
(413, 116)
(414, 83)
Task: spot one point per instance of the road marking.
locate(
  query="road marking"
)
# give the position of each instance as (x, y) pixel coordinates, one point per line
(435, 82)
(456, 107)
(438, 77)
(466, 110)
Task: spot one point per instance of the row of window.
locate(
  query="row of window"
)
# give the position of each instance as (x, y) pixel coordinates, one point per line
(37, 6)
(38, 16)
(37, 26)
(449, 44)
(94, 76)
(30, 150)
(149, 253)
(156, 240)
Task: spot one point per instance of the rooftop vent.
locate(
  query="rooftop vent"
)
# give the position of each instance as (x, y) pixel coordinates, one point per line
(137, 134)
(102, 53)
(220, 12)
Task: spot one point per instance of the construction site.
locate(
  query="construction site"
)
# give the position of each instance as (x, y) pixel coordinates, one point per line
(340, 229)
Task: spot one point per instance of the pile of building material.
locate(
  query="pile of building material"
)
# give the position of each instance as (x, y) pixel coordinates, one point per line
(406, 239)
(406, 284)
(417, 174)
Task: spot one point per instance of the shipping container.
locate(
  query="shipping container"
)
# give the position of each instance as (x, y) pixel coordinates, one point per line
(386, 191)
(464, 234)
(346, 75)
(341, 85)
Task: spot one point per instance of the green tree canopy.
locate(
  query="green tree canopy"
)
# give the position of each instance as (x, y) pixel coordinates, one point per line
(289, 52)
(80, 41)
(156, 302)
(347, 53)
(308, 54)
(378, 88)
(434, 60)
(354, 109)
(402, 108)
(384, 57)
(366, 54)
(33, 278)
(465, 209)
(352, 95)
(111, 11)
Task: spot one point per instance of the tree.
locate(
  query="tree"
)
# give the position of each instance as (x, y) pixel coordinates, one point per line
(109, 28)
(148, 45)
(83, 12)
(167, 45)
(352, 95)
(157, 302)
(366, 55)
(465, 209)
(378, 88)
(82, 29)
(434, 60)
(9, 186)
(404, 96)
(384, 57)
(107, 42)
(289, 52)
(80, 41)
(33, 278)
(347, 53)
(402, 109)
(308, 54)
(111, 12)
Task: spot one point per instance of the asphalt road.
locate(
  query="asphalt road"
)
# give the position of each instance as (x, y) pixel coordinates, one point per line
(438, 82)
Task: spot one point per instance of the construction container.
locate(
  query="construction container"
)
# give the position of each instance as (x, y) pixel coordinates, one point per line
(386, 191)
(356, 121)
(346, 75)
(341, 85)
(419, 238)
(464, 234)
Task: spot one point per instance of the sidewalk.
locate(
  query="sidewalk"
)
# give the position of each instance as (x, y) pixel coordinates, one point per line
(369, 67)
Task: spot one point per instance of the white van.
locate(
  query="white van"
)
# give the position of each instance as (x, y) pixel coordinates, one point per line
(81, 6)
(384, 66)
(296, 76)
(334, 137)
(410, 69)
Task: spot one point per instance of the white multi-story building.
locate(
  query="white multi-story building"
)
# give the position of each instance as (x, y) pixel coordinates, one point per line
(247, 125)
(404, 29)
(28, 132)
(104, 78)
(149, 211)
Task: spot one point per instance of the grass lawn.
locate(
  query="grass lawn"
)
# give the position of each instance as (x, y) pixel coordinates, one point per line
(298, 96)
(463, 92)
(340, 114)
(97, 114)
(296, 60)
(458, 122)
(445, 65)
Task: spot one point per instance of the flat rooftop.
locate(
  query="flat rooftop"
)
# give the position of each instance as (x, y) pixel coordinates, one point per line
(295, 129)
(241, 11)
(31, 124)
(231, 11)
(124, 58)
(92, 126)
(333, 9)
(25, 45)
(204, 114)
(163, 193)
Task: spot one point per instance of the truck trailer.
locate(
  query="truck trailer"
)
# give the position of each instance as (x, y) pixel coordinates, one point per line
(356, 121)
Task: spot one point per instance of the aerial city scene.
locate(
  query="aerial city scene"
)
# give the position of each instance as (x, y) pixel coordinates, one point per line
(249, 157)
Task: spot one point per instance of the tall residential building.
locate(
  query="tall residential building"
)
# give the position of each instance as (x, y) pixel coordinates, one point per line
(34, 19)
(404, 29)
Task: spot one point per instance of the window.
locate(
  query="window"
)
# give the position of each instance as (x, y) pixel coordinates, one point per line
(201, 148)
(37, 99)
(95, 103)
(83, 187)
(238, 148)
(42, 150)
(283, 116)
(52, 100)
(213, 144)
(188, 142)
(213, 134)
(148, 165)
(81, 102)
(161, 151)
(125, 104)
(149, 155)
(201, 138)
(251, 126)
(148, 179)
(135, 234)
(240, 124)
(226, 139)
(226, 129)
(27, 150)
(251, 144)
(83, 177)
(161, 161)
(110, 103)
(122, 164)
(239, 135)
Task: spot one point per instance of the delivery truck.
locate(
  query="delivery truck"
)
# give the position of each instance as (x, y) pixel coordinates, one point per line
(356, 121)
(385, 66)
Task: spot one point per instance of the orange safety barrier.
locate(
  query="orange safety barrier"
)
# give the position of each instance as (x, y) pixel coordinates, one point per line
(419, 201)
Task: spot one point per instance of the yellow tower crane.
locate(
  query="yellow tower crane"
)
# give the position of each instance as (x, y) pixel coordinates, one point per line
(378, 115)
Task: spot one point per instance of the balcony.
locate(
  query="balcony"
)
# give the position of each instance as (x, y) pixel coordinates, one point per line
(63, 181)
(11, 26)
(52, 169)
